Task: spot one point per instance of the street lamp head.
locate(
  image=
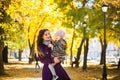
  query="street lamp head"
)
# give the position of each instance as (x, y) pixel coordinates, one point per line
(104, 7)
(84, 24)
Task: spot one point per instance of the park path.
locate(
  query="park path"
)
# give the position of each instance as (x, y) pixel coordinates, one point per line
(21, 70)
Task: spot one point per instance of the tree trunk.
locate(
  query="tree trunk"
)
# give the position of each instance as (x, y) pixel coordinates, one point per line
(85, 55)
(2, 19)
(71, 53)
(102, 52)
(1, 49)
(1, 60)
(5, 54)
(31, 47)
(31, 56)
(20, 55)
(79, 53)
(1, 37)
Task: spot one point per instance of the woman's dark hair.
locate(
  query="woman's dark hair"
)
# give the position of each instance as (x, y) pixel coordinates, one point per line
(40, 40)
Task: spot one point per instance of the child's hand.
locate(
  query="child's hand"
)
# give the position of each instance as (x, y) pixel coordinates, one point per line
(50, 45)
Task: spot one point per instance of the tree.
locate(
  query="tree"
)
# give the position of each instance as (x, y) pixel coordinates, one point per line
(70, 20)
(79, 53)
(86, 43)
(3, 4)
(44, 13)
(76, 12)
(20, 54)
(112, 22)
(71, 52)
(1, 49)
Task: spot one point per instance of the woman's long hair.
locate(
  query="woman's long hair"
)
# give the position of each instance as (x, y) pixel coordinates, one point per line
(40, 41)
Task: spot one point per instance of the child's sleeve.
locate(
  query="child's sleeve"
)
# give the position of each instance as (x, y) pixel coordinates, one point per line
(60, 46)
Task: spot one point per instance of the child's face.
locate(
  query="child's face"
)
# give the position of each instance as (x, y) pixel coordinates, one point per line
(58, 38)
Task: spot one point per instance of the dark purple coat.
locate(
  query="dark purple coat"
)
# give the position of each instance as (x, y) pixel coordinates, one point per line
(46, 73)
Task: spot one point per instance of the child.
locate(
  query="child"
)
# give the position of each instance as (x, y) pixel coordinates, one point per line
(59, 50)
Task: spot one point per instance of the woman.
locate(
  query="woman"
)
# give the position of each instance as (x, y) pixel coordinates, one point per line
(44, 38)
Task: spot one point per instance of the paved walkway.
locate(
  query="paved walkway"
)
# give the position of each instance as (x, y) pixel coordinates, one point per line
(17, 70)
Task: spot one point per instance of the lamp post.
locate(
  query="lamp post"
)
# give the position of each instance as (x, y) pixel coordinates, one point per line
(104, 75)
(84, 32)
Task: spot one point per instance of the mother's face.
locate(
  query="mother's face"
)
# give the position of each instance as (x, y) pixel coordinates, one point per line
(46, 35)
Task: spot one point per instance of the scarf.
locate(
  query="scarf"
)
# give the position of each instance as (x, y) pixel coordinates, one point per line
(46, 42)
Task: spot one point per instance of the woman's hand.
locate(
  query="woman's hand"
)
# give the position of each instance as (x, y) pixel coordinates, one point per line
(56, 60)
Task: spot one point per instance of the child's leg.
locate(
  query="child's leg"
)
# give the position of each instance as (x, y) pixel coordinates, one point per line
(52, 69)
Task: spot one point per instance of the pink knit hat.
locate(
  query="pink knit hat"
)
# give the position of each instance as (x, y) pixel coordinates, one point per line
(60, 33)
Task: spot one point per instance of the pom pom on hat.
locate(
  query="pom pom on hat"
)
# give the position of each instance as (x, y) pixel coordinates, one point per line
(60, 33)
